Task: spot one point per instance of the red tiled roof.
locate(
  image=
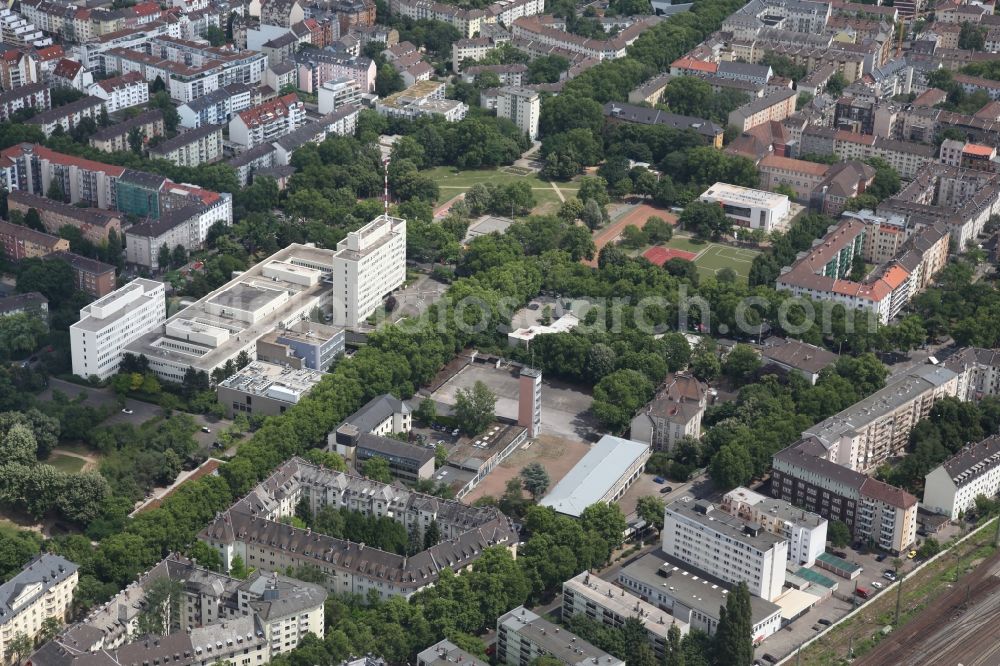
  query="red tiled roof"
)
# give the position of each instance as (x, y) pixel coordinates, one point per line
(66, 160)
(67, 69)
(123, 81)
(854, 137)
(696, 65)
(798, 166)
(977, 149)
(50, 52)
(275, 107)
(895, 276)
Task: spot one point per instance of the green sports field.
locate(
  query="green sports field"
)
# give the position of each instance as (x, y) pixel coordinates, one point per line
(715, 257)
(452, 182)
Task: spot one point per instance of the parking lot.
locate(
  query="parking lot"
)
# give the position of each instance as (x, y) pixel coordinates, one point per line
(565, 408)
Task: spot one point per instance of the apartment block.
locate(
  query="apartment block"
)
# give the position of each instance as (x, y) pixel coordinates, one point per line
(952, 487)
(42, 589)
(34, 96)
(425, 98)
(711, 133)
(218, 617)
(316, 67)
(89, 275)
(523, 637)
(174, 227)
(551, 31)
(338, 93)
(521, 106)
(95, 225)
(978, 372)
(33, 168)
(383, 415)
(32, 303)
(673, 414)
(116, 138)
(217, 107)
(368, 264)
(409, 462)
(775, 106)
(611, 606)
(871, 509)
(251, 528)
(691, 597)
(189, 149)
(727, 547)
(446, 653)
(266, 122)
(121, 92)
(67, 116)
(468, 22)
(109, 324)
(20, 242)
(804, 531)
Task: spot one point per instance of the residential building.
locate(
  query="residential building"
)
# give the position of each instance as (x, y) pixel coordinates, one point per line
(67, 116)
(521, 106)
(34, 96)
(148, 196)
(744, 71)
(116, 137)
(182, 226)
(801, 176)
(383, 415)
(71, 74)
(267, 121)
(265, 389)
(425, 98)
(804, 531)
(286, 287)
(42, 589)
(338, 93)
(189, 149)
(95, 225)
(968, 155)
(446, 653)
(874, 511)
(693, 598)
(89, 275)
(468, 22)
(514, 75)
(523, 637)
(651, 91)
(121, 92)
(409, 462)
(304, 344)
(251, 529)
(110, 323)
(32, 303)
(673, 414)
(315, 67)
(626, 113)
(18, 68)
(793, 355)
(978, 372)
(777, 105)
(217, 107)
(474, 48)
(952, 487)
(602, 475)
(368, 264)
(822, 273)
(218, 617)
(550, 31)
(611, 606)
(753, 209)
(726, 546)
(33, 168)
(20, 242)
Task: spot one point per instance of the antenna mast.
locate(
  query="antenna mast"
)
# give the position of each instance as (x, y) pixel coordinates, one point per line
(385, 194)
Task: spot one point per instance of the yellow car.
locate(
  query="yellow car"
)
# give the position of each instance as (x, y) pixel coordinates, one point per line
(910, 555)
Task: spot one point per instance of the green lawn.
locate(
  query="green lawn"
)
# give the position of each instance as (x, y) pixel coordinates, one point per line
(687, 244)
(716, 257)
(67, 464)
(453, 182)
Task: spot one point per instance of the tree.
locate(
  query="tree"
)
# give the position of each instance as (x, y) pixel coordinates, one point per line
(33, 220)
(19, 334)
(178, 257)
(377, 469)
(440, 456)
(971, 37)
(706, 220)
(734, 634)
(673, 655)
(215, 35)
(426, 411)
(535, 479)
(18, 446)
(592, 214)
(432, 535)
(50, 629)
(658, 230)
(135, 139)
(55, 191)
(162, 614)
(18, 648)
(650, 508)
(388, 80)
(838, 534)
(836, 84)
(741, 363)
(618, 396)
(731, 466)
(475, 408)
(706, 365)
(606, 520)
(163, 257)
(239, 568)
(928, 549)
(601, 361)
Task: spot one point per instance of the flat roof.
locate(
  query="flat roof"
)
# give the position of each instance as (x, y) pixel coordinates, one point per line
(733, 527)
(744, 195)
(561, 644)
(278, 382)
(624, 603)
(595, 474)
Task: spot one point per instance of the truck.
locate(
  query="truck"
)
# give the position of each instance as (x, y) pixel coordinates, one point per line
(862, 592)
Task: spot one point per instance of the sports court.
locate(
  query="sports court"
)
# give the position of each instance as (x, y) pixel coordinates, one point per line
(659, 255)
(715, 257)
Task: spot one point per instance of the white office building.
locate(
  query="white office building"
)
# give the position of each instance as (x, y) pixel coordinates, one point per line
(804, 530)
(753, 209)
(521, 106)
(952, 487)
(110, 323)
(368, 264)
(725, 547)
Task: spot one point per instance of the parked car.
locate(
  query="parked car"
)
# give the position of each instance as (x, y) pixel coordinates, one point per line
(825, 622)
(206, 429)
(877, 585)
(127, 411)
(862, 592)
(910, 555)
(889, 576)
(769, 658)
(665, 489)
(880, 557)
(841, 554)
(659, 479)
